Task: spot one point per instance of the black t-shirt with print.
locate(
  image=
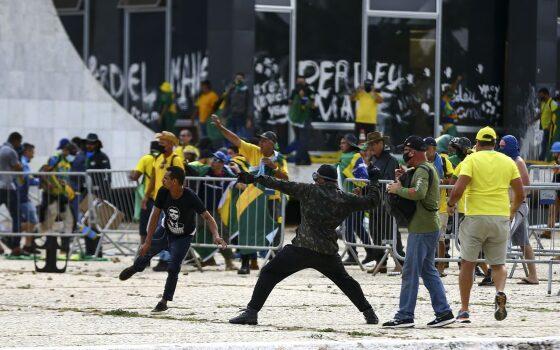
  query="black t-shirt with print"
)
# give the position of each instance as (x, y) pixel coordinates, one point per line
(179, 213)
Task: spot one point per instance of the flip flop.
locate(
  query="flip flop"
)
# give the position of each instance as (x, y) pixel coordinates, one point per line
(526, 281)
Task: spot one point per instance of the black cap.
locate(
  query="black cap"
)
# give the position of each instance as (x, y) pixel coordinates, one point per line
(430, 141)
(414, 142)
(269, 135)
(327, 172)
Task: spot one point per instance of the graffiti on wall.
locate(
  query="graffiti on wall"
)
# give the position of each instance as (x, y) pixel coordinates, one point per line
(270, 91)
(187, 72)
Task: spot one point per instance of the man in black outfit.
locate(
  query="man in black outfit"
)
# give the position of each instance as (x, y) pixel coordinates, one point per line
(179, 205)
(323, 208)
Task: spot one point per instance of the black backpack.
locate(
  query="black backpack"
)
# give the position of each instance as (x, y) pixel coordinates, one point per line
(403, 209)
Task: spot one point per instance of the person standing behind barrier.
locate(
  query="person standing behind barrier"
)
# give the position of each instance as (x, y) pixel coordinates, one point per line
(423, 237)
(162, 162)
(488, 175)
(381, 224)
(265, 161)
(145, 168)
(9, 161)
(323, 207)
(28, 211)
(237, 108)
(179, 206)
(351, 166)
(519, 232)
(548, 121)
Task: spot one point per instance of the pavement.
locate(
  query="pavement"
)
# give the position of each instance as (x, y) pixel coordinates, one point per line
(89, 306)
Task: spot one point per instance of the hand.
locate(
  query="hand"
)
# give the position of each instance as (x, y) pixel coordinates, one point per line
(399, 172)
(246, 178)
(394, 187)
(373, 173)
(241, 186)
(144, 204)
(269, 163)
(451, 209)
(145, 248)
(216, 121)
(219, 241)
(357, 191)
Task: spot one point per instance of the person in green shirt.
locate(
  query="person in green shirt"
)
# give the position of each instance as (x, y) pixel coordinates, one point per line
(423, 236)
(462, 148)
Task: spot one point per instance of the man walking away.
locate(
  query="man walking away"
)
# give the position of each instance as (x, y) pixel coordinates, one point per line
(9, 161)
(487, 175)
(323, 207)
(179, 205)
(423, 237)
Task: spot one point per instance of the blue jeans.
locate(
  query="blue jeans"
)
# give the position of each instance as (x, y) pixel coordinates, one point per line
(420, 262)
(178, 247)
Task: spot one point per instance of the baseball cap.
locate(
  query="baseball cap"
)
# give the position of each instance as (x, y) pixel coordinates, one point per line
(269, 135)
(430, 141)
(486, 134)
(327, 172)
(414, 142)
(221, 156)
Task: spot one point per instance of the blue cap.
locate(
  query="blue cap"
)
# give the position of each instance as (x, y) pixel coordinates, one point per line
(221, 156)
(555, 147)
(63, 142)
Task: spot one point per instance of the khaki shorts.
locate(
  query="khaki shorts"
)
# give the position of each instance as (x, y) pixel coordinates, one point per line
(443, 218)
(487, 233)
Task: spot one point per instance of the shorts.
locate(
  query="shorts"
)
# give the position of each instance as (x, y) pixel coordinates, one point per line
(443, 218)
(28, 213)
(519, 232)
(488, 233)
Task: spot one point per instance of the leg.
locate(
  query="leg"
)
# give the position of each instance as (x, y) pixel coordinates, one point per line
(332, 268)
(430, 275)
(178, 249)
(288, 261)
(159, 242)
(13, 208)
(471, 236)
(465, 282)
(415, 254)
(530, 255)
(499, 276)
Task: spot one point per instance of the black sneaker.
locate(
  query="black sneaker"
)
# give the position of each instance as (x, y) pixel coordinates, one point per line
(247, 316)
(244, 270)
(127, 273)
(30, 250)
(371, 317)
(160, 307)
(399, 324)
(349, 260)
(161, 266)
(442, 320)
(486, 282)
(478, 272)
(500, 312)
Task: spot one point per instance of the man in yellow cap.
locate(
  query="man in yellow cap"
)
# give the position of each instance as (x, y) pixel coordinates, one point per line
(488, 175)
(163, 161)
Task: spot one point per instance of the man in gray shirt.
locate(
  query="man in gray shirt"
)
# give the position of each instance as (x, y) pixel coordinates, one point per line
(9, 161)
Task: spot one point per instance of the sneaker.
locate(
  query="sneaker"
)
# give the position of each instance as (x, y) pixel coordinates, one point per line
(463, 317)
(349, 260)
(399, 324)
(160, 307)
(478, 272)
(371, 317)
(161, 266)
(243, 270)
(442, 320)
(127, 273)
(247, 316)
(500, 306)
(486, 282)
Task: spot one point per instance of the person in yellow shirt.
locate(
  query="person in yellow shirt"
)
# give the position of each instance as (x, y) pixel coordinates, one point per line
(145, 168)
(367, 101)
(185, 146)
(205, 106)
(548, 122)
(167, 158)
(488, 175)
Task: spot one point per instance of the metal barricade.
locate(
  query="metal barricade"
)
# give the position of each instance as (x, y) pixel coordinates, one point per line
(542, 173)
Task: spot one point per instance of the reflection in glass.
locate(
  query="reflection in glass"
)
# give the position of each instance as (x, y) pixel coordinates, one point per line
(403, 5)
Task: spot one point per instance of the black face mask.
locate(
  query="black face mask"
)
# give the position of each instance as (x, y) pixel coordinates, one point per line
(367, 88)
(406, 157)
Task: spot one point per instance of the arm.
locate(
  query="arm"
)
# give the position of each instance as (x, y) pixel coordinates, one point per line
(458, 190)
(378, 97)
(213, 229)
(278, 171)
(416, 193)
(152, 225)
(230, 136)
(370, 200)
(149, 191)
(294, 189)
(134, 175)
(518, 195)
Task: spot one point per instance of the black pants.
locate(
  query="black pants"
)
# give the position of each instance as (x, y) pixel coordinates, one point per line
(292, 259)
(10, 198)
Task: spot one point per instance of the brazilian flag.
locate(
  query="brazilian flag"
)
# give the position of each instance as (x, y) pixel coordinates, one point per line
(351, 165)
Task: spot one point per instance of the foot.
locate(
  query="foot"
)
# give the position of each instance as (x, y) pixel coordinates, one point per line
(127, 273)
(243, 271)
(254, 265)
(160, 307)
(17, 251)
(31, 250)
(247, 316)
(209, 262)
(230, 266)
(399, 324)
(349, 260)
(529, 280)
(442, 320)
(369, 258)
(486, 282)
(463, 317)
(500, 306)
(370, 316)
(161, 266)
(546, 234)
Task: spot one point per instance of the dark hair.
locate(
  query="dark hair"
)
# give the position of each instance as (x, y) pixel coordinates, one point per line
(15, 137)
(487, 143)
(234, 148)
(27, 146)
(176, 173)
(207, 83)
(240, 73)
(300, 76)
(544, 91)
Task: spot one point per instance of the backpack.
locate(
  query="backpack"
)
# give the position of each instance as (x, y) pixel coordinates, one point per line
(403, 209)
